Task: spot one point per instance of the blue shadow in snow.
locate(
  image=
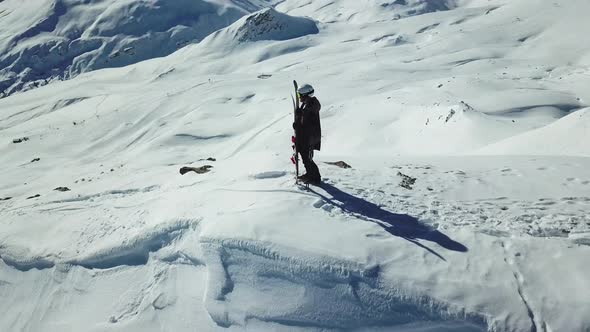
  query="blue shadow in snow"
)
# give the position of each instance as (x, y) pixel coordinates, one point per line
(401, 225)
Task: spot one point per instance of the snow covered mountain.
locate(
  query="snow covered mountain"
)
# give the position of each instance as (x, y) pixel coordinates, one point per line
(46, 40)
(464, 122)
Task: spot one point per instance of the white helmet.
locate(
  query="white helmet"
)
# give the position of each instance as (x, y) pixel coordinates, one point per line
(306, 90)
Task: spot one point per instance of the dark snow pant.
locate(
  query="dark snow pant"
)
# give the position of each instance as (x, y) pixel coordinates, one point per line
(311, 169)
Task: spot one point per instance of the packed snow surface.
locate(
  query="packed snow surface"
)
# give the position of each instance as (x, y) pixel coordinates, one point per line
(465, 124)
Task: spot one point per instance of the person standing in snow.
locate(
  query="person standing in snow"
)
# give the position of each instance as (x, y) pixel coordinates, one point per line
(308, 132)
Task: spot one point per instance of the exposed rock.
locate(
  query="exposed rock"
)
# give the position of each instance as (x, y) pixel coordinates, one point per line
(407, 181)
(340, 164)
(20, 140)
(451, 113)
(198, 170)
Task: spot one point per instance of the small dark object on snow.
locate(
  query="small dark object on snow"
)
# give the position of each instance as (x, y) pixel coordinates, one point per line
(20, 140)
(198, 170)
(31, 197)
(5, 198)
(340, 164)
(211, 159)
(407, 181)
(451, 113)
(62, 189)
(35, 160)
(264, 76)
(440, 86)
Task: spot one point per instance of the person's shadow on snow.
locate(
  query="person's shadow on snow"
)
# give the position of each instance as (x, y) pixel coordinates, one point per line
(401, 225)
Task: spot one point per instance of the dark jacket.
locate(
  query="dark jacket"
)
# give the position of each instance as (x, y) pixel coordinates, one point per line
(308, 131)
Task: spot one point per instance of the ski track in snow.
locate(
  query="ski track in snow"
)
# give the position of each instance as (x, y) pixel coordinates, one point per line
(519, 280)
(105, 195)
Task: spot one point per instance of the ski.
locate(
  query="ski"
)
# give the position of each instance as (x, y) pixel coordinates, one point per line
(295, 157)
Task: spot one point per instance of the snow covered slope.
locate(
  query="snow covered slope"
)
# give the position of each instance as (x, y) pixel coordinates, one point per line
(45, 40)
(465, 208)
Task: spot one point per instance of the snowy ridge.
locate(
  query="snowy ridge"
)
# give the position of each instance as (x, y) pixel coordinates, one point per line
(558, 138)
(20, 261)
(359, 12)
(269, 24)
(132, 251)
(135, 251)
(265, 25)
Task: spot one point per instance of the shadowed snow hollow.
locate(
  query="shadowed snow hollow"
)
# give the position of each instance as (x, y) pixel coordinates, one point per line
(67, 37)
(567, 136)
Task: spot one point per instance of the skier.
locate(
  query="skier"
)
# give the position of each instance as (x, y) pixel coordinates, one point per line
(308, 133)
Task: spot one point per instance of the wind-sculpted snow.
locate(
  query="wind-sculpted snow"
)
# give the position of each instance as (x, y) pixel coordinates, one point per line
(131, 251)
(302, 289)
(69, 37)
(26, 264)
(136, 250)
